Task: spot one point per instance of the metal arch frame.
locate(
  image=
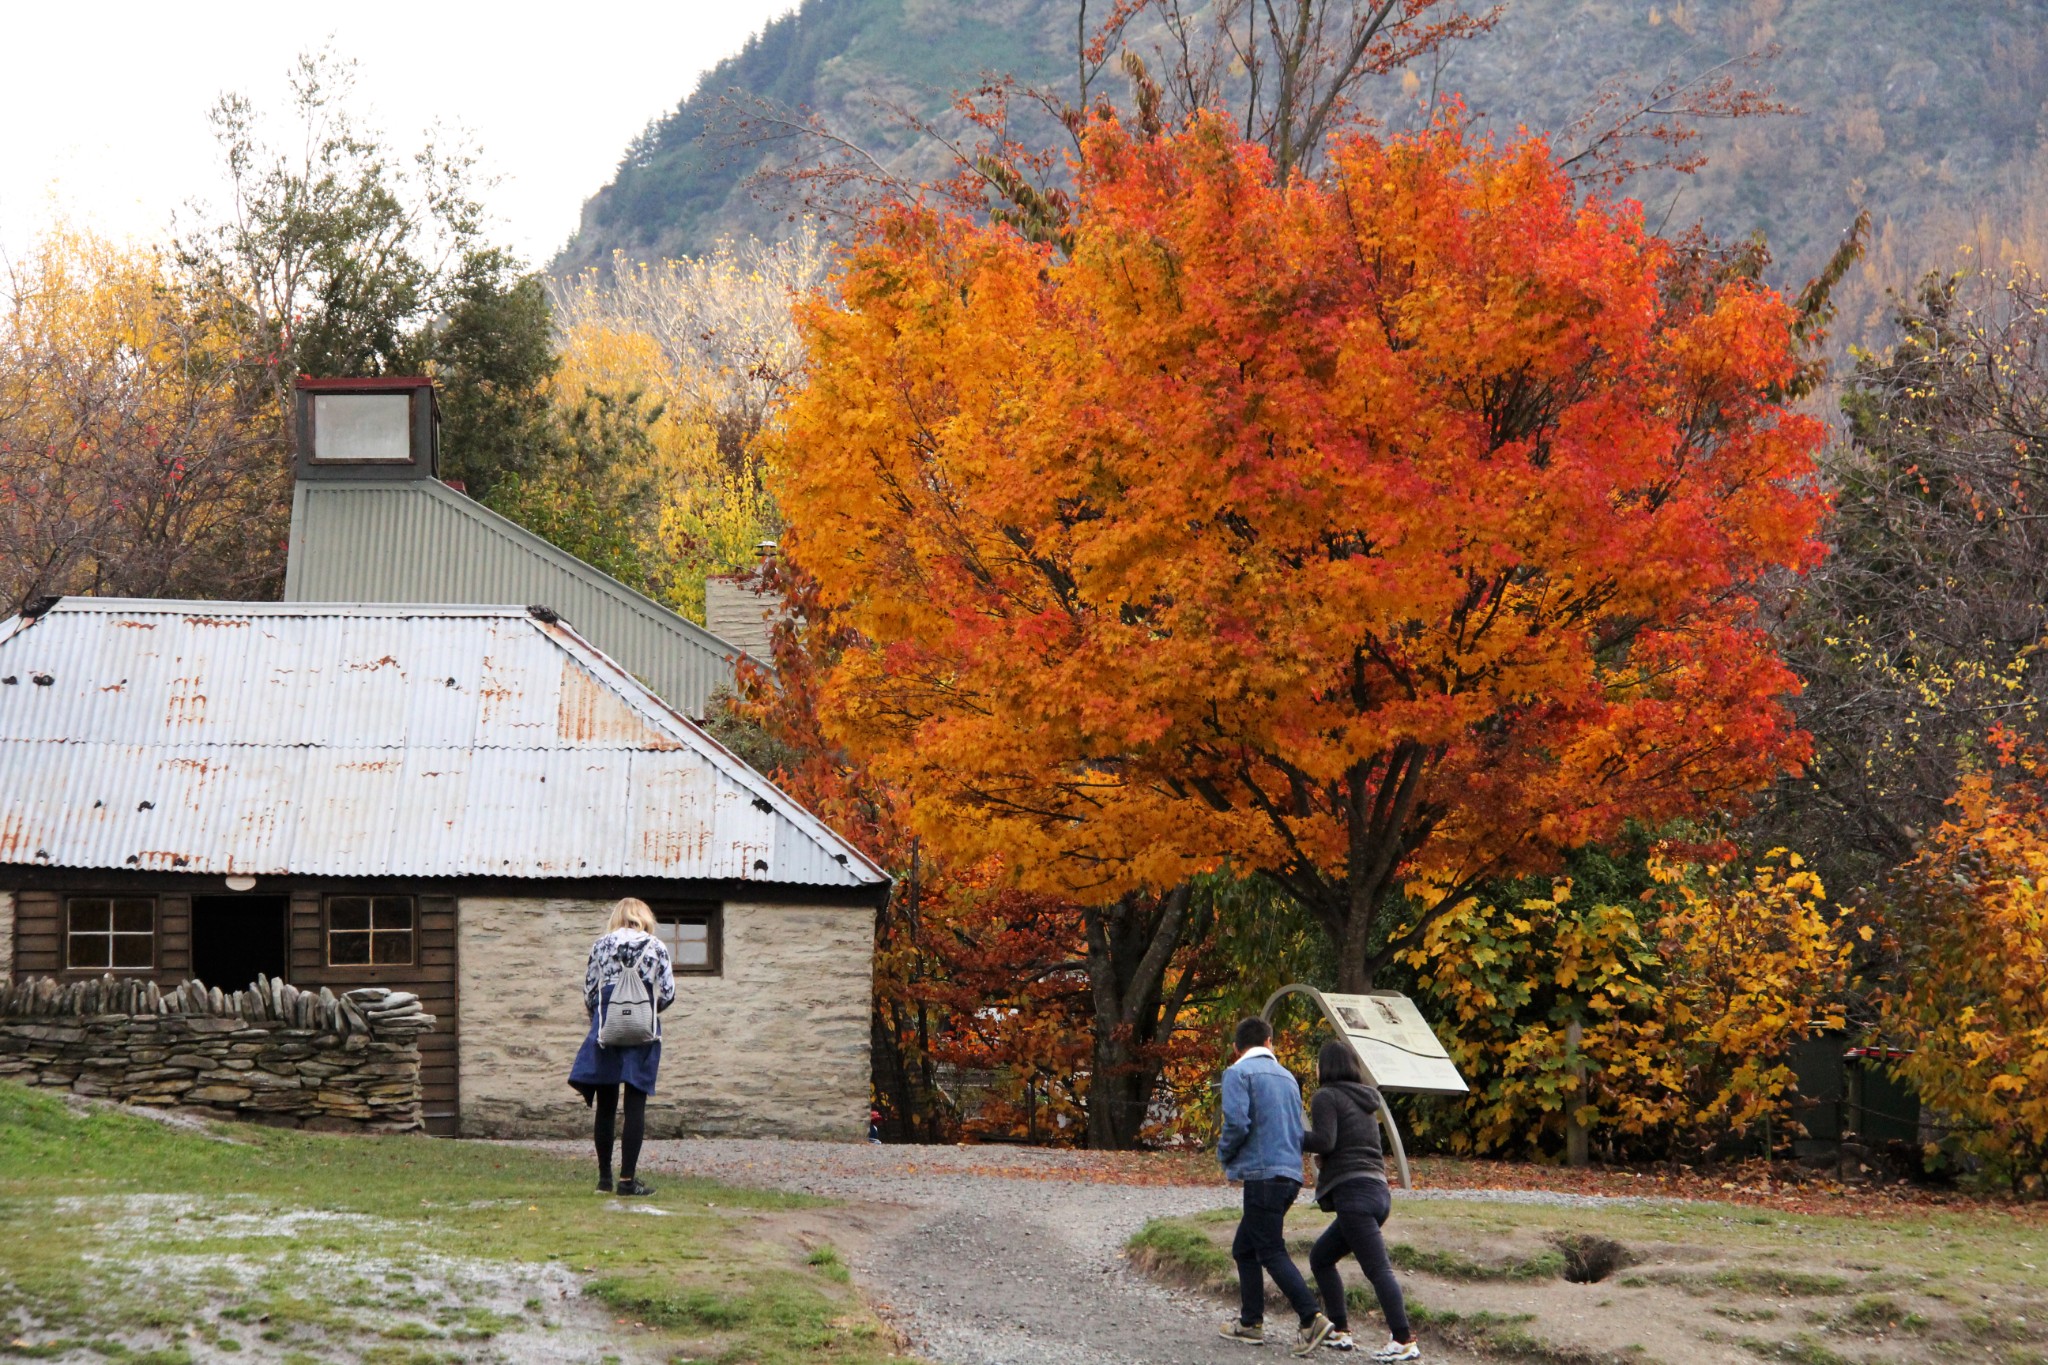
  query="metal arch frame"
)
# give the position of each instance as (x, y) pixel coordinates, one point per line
(1337, 1027)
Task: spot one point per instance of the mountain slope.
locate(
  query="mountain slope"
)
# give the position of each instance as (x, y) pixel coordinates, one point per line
(681, 184)
(1929, 112)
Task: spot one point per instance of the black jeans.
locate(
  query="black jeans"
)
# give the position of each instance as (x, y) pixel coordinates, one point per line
(1361, 1207)
(1261, 1243)
(636, 1128)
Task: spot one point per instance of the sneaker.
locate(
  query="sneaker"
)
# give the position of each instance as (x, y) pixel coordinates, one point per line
(629, 1185)
(1339, 1340)
(604, 1184)
(1308, 1338)
(1253, 1335)
(1395, 1350)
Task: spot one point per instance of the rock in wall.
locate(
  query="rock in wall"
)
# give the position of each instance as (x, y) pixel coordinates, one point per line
(774, 1046)
(272, 1053)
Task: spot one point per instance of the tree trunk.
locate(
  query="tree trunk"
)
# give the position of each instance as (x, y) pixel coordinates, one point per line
(1131, 944)
(1386, 818)
(895, 1092)
(902, 1078)
(1119, 1092)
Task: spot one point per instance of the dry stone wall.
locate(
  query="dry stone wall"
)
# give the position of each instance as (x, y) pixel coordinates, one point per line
(774, 1046)
(272, 1053)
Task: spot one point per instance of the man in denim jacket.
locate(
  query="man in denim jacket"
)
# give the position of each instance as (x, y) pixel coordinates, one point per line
(1261, 1146)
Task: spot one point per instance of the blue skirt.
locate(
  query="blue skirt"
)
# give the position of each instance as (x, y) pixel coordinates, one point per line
(597, 1065)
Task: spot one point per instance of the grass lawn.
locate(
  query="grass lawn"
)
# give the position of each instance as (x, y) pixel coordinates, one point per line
(1696, 1281)
(153, 1243)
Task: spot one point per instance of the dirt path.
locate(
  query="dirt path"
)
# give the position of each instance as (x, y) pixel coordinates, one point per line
(997, 1256)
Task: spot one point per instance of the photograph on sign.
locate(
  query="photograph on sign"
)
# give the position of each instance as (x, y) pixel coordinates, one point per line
(1396, 1043)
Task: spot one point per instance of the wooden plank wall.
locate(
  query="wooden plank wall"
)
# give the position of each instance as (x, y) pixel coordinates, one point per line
(440, 1051)
(39, 951)
(38, 933)
(39, 936)
(431, 977)
(174, 938)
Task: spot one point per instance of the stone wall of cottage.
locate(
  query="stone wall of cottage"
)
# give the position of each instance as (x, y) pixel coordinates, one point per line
(774, 1046)
(271, 1053)
(6, 935)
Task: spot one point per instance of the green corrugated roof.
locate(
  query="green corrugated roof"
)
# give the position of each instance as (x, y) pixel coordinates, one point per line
(420, 541)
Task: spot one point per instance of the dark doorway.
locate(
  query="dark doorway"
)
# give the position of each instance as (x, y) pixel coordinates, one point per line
(237, 938)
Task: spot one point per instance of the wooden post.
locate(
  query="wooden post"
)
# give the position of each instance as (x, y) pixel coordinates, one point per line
(1577, 1145)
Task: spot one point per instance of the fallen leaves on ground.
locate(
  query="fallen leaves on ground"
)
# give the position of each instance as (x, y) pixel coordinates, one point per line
(1749, 1183)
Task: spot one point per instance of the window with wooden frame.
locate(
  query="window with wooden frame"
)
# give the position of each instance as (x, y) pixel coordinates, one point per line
(110, 933)
(370, 931)
(694, 933)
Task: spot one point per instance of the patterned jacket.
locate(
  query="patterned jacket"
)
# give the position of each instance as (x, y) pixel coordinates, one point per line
(611, 955)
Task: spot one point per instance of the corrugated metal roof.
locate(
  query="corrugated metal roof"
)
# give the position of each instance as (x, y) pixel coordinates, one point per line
(421, 541)
(274, 738)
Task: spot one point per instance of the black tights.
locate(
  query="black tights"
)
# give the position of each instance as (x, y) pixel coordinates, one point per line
(636, 1129)
(1361, 1207)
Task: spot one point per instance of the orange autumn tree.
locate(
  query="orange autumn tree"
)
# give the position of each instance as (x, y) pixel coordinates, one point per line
(1386, 532)
(969, 973)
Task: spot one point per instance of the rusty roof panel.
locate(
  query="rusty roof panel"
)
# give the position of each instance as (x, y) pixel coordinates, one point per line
(266, 739)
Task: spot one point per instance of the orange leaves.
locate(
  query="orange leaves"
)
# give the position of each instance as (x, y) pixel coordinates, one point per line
(1355, 529)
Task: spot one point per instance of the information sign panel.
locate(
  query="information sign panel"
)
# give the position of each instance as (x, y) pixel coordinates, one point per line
(1397, 1046)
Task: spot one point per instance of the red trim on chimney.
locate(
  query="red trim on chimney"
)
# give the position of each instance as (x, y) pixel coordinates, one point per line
(388, 384)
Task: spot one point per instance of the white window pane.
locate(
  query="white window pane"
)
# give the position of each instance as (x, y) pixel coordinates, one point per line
(362, 426)
(689, 942)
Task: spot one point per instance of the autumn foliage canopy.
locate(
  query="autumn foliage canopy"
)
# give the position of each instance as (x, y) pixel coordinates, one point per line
(1387, 531)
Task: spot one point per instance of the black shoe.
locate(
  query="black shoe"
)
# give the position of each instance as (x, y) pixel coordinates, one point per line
(604, 1184)
(628, 1185)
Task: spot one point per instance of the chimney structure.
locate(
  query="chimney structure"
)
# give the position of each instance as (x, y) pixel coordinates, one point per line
(380, 429)
(738, 607)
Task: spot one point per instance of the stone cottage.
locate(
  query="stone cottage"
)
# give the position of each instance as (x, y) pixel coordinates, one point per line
(440, 800)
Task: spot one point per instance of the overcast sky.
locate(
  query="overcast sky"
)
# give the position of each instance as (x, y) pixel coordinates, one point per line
(103, 111)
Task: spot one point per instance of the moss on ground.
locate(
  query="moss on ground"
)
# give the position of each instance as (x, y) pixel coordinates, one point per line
(1181, 1250)
(140, 1240)
(1802, 1287)
(1450, 1265)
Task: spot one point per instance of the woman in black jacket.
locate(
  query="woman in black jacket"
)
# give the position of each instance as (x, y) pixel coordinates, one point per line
(1351, 1182)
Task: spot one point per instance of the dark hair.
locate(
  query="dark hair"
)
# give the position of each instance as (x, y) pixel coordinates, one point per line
(1337, 1062)
(1252, 1032)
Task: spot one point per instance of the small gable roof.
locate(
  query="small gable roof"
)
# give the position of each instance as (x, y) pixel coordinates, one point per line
(349, 740)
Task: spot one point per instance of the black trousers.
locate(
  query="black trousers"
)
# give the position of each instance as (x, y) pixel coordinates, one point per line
(1261, 1244)
(1361, 1207)
(636, 1129)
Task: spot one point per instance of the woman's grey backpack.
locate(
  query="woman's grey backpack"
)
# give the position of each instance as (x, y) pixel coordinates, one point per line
(629, 1014)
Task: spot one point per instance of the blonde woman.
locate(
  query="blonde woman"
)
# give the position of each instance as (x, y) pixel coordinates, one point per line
(629, 945)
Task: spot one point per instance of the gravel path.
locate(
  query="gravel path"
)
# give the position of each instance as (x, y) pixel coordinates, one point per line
(1008, 1256)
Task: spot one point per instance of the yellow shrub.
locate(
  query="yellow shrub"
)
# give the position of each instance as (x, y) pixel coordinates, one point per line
(1688, 1002)
(1972, 999)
